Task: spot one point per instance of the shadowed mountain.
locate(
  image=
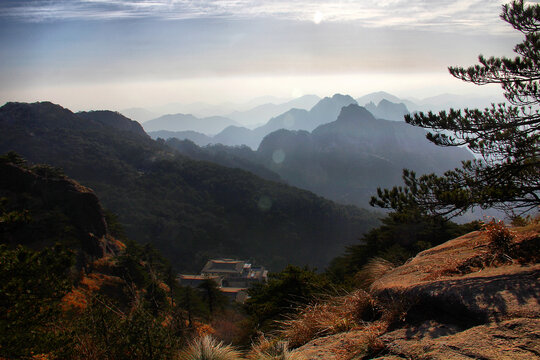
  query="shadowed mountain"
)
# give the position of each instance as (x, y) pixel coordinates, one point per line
(190, 210)
(113, 119)
(346, 160)
(185, 122)
(387, 110)
(196, 137)
(241, 157)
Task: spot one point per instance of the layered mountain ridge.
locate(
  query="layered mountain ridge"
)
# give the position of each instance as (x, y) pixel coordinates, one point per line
(344, 160)
(190, 210)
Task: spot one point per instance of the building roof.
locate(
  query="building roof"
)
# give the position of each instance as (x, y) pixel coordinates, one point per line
(231, 290)
(224, 266)
(197, 277)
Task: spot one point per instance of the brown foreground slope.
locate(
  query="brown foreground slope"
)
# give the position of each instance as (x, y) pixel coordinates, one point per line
(459, 300)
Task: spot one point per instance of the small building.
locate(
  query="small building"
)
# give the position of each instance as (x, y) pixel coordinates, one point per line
(235, 273)
(233, 277)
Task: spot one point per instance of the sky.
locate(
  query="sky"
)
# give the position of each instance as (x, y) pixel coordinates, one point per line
(97, 54)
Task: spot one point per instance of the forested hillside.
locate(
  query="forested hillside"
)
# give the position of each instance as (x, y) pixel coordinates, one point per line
(190, 210)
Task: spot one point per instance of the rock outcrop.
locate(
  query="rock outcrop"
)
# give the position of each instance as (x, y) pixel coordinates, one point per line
(59, 210)
(459, 300)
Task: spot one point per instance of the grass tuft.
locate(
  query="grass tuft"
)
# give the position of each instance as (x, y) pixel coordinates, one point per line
(275, 349)
(335, 315)
(207, 348)
(372, 271)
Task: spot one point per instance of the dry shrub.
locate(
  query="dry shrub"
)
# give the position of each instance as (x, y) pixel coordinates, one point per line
(202, 329)
(207, 348)
(74, 300)
(274, 349)
(372, 271)
(332, 316)
(500, 237)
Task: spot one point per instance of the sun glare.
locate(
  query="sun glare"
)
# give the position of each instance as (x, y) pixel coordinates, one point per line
(318, 17)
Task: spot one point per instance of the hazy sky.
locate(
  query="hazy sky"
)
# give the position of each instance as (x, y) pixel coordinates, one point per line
(116, 54)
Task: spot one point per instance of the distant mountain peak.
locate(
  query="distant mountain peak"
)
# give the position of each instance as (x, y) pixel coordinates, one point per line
(342, 97)
(355, 112)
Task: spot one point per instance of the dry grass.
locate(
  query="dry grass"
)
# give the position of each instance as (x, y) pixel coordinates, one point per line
(332, 316)
(375, 269)
(207, 348)
(274, 349)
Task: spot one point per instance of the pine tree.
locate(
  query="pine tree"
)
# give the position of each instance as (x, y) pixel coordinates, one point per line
(505, 137)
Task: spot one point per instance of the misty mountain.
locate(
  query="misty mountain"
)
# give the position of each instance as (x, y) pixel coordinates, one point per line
(185, 122)
(346, 160)
(196, 137)
(433, 103)
(387, 110)
(190, 210)
(447, 101)
(237, 136)
(377, 97)
(262, 113)
(253, 112)
(199, 109)
(326, 110)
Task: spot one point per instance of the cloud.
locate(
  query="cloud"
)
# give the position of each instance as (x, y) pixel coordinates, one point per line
(444, 15)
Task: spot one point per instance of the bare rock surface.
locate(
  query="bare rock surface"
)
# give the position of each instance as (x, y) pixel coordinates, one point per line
(513, 340)
(458, 300)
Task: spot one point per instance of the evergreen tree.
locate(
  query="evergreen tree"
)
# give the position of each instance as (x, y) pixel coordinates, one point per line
(213, 297)
(505, 137)
(32, 283)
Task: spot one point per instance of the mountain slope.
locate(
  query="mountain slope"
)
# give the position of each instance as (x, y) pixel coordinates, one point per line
(241, 157)
(387, 110)
(190, 210)
(196, 137)
(346, 160)
(113, 119)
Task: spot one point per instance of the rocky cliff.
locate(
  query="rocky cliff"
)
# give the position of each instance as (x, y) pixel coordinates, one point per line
(464, 299)
(48, 207)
